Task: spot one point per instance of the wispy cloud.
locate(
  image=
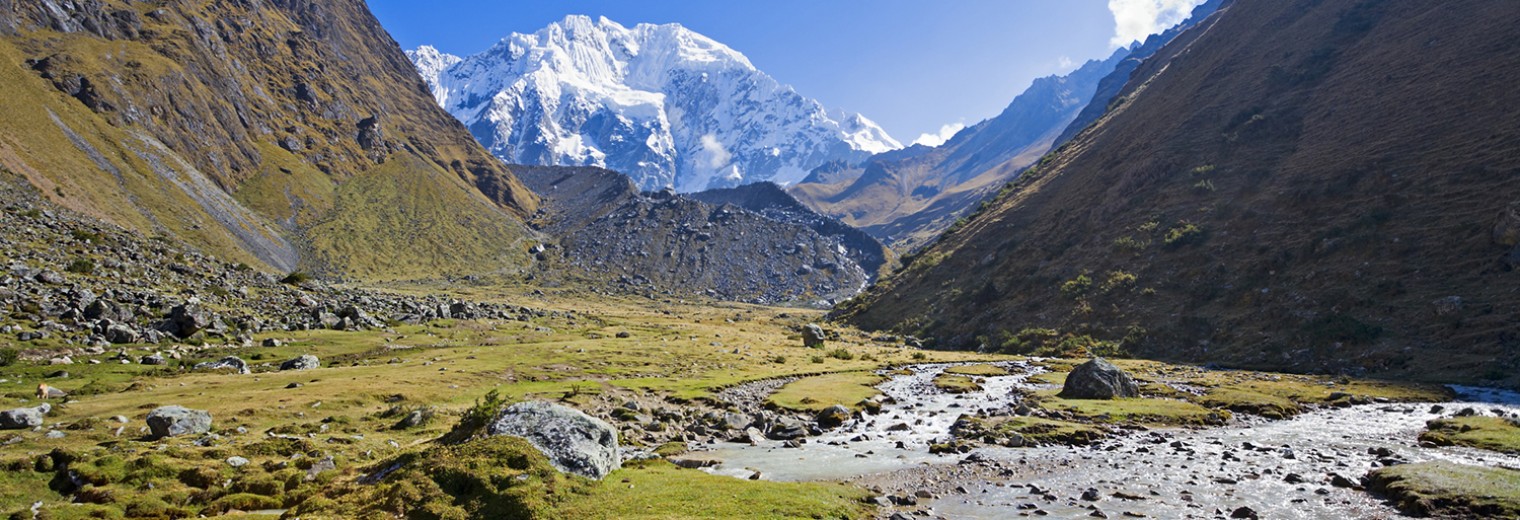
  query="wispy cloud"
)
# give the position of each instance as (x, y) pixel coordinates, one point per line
(939, 138)
(1136, 19)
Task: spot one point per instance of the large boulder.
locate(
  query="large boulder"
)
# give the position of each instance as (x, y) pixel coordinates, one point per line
(1098, 379)
(228, 364)
(833, 416)
(812, 336)
(575, 442)
(24, 418)
(187, 319)
(169, 421)
(305, 362)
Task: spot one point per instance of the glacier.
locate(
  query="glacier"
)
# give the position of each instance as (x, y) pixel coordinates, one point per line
(663, 104)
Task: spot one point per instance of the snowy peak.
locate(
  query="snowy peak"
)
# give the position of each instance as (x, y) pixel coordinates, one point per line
(661, 103)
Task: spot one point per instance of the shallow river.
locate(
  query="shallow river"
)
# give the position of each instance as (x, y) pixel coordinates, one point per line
(1164, 473)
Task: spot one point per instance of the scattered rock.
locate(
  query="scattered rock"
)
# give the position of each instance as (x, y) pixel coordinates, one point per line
(230, 363)
(305, 362)
(1244, 512)
(170, 421)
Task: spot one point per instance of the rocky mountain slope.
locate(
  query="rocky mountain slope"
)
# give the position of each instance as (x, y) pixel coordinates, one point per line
(773, 202)
(908, 197)
(1304, 185)
(286, 134)
(660, 103)
(608, 234)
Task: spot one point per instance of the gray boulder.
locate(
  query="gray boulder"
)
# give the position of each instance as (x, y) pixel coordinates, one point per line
(812, 336)
(1098, 379)
(24, 418)
(230, 363)
(575, 442)
(152, 359)
(186, 320)
(833, 416)
(169, 421)
(305, 362)
(119, 334)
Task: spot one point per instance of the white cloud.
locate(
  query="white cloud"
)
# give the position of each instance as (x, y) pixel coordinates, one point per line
(713, 153)
(1065, 63)
(944, 134)
(1136, 19)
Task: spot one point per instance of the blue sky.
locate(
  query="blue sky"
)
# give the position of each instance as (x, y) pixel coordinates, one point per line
(912, 66)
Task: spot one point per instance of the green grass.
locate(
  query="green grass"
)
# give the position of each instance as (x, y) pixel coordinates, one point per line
(956, 384)
(504, 477)
(1039, 431)
(1450, 489)
(1489, 433)
(658, 489)
(409, 219)
(819, 392)
(1142, 410)
(982, 370)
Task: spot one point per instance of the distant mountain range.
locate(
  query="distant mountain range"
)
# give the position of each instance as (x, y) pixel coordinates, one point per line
(660, 103)
(907, 197)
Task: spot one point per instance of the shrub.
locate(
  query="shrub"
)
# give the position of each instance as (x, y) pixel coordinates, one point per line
(1077, 286)
(478, 416)
(841, 353)
(296, 278)
(816, 359)
(81, 265)
(1118, 280)
(920, 356)
(778, 359)
(8, 356)
(1148, 227)
(1127, 243)
(85, 236)
(1182, 233)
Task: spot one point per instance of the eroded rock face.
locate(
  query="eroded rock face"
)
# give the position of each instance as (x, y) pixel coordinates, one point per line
(170, 421)
(1099, 379)
(575, 442)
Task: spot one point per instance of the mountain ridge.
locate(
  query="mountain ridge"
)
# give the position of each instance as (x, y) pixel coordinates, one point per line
(1247, 200)
(660, 103)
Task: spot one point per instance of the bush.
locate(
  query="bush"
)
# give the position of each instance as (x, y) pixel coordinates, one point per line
(1182, 233)
(85, 236)
(1077, 286)
(1118, 280)
(816, 359)
(8, 356)
(841, 353)
(81, 265)
(296, 278)
(920, 356)
(778, 359)
(478, 416)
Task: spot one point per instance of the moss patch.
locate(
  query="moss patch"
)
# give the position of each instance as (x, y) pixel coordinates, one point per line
(1449, 489)
(956, 384)
(819, 392)
(1489, 433)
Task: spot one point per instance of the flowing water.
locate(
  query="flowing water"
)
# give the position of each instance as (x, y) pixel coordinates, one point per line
(1280, 469)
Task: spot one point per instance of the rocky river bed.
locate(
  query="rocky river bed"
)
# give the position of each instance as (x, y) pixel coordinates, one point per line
(1308, 466)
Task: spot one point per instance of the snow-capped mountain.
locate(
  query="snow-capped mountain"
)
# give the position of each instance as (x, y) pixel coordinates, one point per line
(660, 103)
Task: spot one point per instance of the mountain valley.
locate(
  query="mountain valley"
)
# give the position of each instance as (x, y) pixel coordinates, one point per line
(260, 262)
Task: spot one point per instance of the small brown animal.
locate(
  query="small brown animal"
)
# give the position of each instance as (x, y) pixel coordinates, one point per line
(47, 392)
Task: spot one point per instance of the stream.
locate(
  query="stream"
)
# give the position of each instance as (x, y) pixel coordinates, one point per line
(1279, 469)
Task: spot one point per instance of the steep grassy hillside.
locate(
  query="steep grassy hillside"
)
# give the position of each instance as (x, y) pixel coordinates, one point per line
(235, 126)
(1302, 185)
